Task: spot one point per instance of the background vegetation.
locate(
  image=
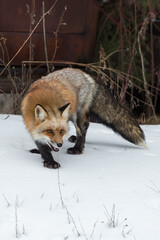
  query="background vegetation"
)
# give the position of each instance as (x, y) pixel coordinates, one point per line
(126, 57)
(129, 32)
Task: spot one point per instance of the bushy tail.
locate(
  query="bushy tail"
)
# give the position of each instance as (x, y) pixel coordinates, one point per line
(106, 110)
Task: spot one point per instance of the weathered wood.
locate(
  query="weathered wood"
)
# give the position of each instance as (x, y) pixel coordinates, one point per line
(76, 38)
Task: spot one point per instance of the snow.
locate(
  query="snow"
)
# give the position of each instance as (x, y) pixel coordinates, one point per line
(111, 191)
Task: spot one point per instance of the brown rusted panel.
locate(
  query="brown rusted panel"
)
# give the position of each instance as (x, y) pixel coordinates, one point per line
(76, 38)
(70, 47)
(90, 29)
(15, 15)
(6, 86)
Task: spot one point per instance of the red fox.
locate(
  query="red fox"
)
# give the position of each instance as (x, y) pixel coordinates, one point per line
(71, 94)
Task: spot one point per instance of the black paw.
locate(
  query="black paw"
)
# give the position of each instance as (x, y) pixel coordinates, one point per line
(72, 139)
(52, 164)
(74, 150)
(34, 151)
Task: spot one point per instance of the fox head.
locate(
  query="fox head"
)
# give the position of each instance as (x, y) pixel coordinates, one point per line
(51, 126)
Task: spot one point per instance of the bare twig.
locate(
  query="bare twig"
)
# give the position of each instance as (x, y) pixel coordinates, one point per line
(152, 49)
(148, 98)
(157, 91)
(8, 67)
(23, 230)
(121, 34)
(83, 230)
(46, 13)
(112, 218)
(73, 222)
(57, 31)
(60, 192)
(30, 40)
(42, 195)
(69, 216)
(93, 230)
(16, 219)
(8, 204)
(154, 187)
(44, 38)
(132, 54)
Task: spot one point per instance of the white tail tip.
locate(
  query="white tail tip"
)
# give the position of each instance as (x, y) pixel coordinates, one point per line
(143, 144)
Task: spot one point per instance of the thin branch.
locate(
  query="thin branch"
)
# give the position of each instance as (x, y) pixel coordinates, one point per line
(60, 192)
(143, 74)
(69, 216)
(94, 226)
(121, 34)
(44, 38)
(83, 230)
(57, 31)
(16, 219)
(132, 54)
(46, 13)
(8, 204)
(30, 40)
(151, 44)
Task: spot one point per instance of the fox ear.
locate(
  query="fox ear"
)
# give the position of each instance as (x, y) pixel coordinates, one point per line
(65, 110)
(40, 113)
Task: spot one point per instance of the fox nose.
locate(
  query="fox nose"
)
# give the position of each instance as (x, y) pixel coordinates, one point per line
(59, 144)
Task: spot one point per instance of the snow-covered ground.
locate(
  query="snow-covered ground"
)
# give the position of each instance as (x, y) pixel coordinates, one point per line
(110, 192)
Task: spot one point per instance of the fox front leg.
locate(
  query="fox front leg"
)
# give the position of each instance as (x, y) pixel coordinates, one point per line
(35, 151)
(45, 152)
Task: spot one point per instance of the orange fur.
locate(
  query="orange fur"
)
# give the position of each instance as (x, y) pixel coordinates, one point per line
(51, 95)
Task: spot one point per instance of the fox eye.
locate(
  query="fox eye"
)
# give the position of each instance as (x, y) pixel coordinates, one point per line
(61, 131)
(50, 131)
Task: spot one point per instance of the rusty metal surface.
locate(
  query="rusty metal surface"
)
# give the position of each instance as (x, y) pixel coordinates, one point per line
(76, 36)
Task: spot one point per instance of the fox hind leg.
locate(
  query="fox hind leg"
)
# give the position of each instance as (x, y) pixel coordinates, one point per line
(72, 139)
(82, 125)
